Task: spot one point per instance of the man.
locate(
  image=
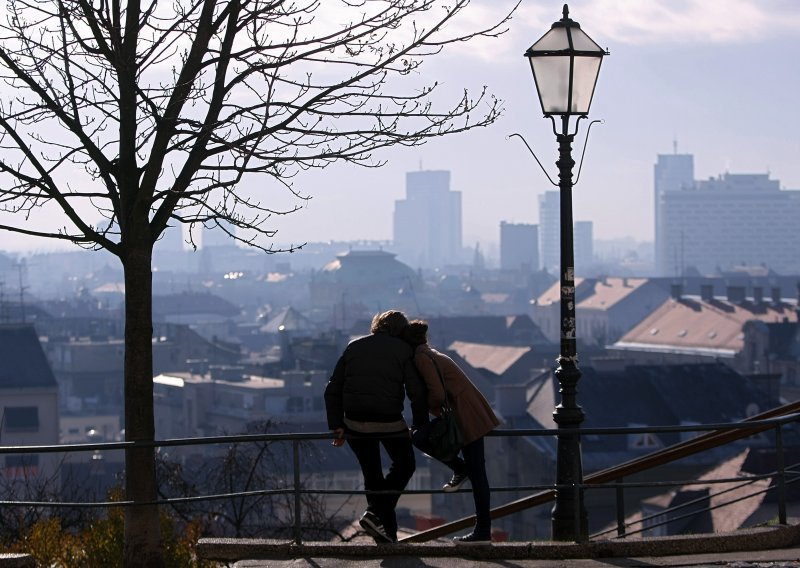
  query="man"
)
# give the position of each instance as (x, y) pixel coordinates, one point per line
(364, 400)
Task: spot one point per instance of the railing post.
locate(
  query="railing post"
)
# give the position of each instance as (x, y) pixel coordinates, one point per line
(781, 473)
(620, 507)
(297, 511)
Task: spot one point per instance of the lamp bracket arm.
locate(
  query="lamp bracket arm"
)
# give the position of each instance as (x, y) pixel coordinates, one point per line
(583, 152)
(534, 156)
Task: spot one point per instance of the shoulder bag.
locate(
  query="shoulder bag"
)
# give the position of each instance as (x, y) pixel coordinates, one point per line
(445, 439)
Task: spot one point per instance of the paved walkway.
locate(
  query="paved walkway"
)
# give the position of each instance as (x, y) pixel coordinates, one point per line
(783, 558)
(762, 547)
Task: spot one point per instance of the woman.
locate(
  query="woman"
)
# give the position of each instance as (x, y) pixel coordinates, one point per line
(474, 416)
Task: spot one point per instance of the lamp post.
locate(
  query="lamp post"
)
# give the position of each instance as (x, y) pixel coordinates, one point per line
(565, 63)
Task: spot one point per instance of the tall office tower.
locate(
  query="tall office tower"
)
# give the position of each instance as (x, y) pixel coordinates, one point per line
(672, 172)
(584, 246)
(519, 246)
(550, 231)
(730, 220)
(427, 223)
(550, 236)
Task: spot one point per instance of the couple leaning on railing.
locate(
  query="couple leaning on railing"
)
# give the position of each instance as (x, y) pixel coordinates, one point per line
(365, 398)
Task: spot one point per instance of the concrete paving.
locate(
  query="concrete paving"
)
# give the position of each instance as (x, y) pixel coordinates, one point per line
(762, 547)
(784, 558)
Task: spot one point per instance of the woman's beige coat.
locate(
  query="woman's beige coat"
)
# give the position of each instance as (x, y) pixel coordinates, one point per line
(472, 410)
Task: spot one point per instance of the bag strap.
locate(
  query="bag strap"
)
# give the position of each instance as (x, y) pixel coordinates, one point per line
(446, 405)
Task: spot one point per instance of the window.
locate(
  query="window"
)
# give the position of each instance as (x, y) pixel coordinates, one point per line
(644, 440)
(21, 419)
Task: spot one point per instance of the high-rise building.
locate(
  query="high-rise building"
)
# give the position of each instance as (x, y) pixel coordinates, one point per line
(550, 236)
(672, 172)
(519, 246)
(583, 242)
(728, 221)
(550, 231)
(427, 223)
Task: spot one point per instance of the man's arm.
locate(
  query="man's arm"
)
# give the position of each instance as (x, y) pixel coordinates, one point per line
(333, 396)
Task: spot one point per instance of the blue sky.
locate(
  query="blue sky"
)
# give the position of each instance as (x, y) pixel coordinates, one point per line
(719, 77)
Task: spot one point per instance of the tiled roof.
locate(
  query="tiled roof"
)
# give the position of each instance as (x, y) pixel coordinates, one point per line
(610, 291)
(193, 303)
(288, 319)
(489, 329)
(553, 294)
(495, 358)
(602, 293)
(24, 362)
(691, 323)
(742, 499)
(650, 395)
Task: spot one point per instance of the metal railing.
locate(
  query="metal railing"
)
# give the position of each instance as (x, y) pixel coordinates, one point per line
(712, 436)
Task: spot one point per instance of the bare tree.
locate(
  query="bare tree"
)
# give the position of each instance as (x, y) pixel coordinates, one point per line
(242, 476)
(152, 113)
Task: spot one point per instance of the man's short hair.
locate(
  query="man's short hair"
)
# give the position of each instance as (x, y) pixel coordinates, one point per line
(391, 322)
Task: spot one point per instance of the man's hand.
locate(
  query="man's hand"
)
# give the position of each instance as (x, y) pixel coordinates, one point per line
(339, 441)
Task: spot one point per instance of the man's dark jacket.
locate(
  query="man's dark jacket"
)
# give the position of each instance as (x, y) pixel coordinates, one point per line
(370, 382)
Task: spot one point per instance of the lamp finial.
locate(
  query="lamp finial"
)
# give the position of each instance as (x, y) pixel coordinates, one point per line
(566, 12)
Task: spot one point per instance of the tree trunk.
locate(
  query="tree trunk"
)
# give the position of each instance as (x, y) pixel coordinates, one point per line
(142, 531)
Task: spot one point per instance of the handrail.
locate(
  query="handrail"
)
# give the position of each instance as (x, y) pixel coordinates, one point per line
(717, 435)
(660, 457)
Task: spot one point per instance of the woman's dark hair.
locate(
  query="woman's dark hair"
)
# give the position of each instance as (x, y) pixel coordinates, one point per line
(391, 322)
(416, 332)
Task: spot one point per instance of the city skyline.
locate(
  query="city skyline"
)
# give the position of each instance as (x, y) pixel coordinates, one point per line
(692, 73)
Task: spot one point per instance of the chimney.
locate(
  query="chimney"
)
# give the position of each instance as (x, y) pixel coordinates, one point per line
(758, 295)
(776, 296)
(706, 292)
(736, 294)
(676, 291)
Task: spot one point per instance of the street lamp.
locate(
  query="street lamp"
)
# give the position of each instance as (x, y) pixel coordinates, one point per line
(565, 63)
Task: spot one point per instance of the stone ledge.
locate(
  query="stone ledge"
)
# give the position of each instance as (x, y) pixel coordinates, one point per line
(10, 560)
(761, 538)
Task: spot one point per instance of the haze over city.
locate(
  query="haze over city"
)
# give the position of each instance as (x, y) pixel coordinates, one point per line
(712, 78)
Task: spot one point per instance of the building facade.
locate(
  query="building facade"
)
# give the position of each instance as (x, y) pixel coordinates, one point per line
(519, 246)
(28, 407)
(671, 173)
(723, 222)
(583, 243)
(427, 223)
(550, 231)
(550, 236)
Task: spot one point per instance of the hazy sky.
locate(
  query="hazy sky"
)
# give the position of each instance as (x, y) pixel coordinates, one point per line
(720, 77)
